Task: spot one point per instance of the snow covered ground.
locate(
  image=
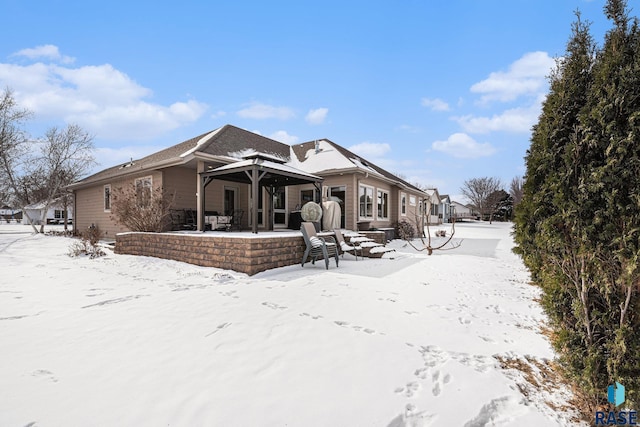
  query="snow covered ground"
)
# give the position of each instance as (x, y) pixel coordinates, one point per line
(137, 341)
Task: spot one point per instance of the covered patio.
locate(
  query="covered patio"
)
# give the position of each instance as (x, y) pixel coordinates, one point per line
(258, 170)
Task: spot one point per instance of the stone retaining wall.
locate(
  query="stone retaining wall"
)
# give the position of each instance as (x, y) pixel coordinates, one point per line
(248, 255)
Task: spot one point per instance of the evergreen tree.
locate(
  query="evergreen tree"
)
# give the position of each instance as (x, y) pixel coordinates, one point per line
(578, 225)
(611, 187)
(546, 227)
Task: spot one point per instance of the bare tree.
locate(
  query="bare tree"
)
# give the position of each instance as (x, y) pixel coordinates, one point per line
(65, 156)
(39, 170)
(478, 191)
(516, 189)
(13, 148)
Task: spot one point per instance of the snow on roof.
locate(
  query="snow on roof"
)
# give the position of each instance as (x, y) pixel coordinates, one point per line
(250, 152)
(201, 141)
(327, 157)
(267, 163)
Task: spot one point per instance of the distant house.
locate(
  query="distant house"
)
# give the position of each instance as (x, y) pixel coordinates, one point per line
(433, 206)
(54, 215)
(460, 211)
(219, 171)
(7, 213)
(445, 208)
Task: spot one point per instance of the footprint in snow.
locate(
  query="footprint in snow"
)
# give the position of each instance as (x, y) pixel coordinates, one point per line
(316, 317)
(274, 306)
(43, 373)
(219, 328)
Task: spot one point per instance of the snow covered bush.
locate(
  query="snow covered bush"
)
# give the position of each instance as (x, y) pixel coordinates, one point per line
(88, 244)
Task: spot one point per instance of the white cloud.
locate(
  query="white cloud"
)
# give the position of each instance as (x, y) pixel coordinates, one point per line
(370, 150)
(526, 76)
(102, 99)
(462, 145)
(435, 104)
(513, 120)
(284, 137)
(47, 51)
(317, 116)
(218, 114)
(258, 110)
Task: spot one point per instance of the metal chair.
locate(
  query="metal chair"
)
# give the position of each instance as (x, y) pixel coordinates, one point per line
(236, 220)
(352, 248)
(316, 246)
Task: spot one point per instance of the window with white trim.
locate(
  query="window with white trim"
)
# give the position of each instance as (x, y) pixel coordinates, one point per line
(383, 204)
(403, 203)
(107, 198)
(366, 201)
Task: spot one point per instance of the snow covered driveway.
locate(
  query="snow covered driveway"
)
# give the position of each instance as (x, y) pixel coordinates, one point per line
(136, 341)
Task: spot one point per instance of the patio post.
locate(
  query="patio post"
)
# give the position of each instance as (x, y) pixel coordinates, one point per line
(200, 196)
(254, 199)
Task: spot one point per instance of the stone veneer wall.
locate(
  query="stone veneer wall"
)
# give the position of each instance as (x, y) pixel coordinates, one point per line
(248, 255)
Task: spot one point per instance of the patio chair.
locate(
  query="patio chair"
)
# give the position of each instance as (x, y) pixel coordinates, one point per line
(353, 248)
(316, 246)
(236, 220)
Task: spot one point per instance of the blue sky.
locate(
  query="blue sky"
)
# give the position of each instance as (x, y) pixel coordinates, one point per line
(436, 91)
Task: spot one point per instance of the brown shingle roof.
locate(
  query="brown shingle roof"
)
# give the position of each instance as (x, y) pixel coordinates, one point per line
(223, 141)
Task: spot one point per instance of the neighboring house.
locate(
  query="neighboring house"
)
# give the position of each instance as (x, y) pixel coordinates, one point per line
(445, 208)
(7, 213)
(54, 215)
(460, 211)
(433, 206)
(205, 166)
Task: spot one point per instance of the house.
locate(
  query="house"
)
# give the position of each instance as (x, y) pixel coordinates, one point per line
(460, 211)
(445, 208)
(55, 214)
(8, 214)
(219, 171)
(433, 206)
(368, 195)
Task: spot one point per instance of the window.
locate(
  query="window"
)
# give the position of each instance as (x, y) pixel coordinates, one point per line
(107, 198)
(412, 200)
(434, 209)
(366, 202)
(306, 196)
(383, 204)
(58, 214)
(403, 204)
(143, 191)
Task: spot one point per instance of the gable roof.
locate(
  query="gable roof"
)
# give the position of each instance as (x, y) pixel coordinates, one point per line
(326, 156)
(227, 143)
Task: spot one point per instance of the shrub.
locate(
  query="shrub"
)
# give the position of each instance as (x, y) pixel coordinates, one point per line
(88, 245)
(405, 230)
(141, 210)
